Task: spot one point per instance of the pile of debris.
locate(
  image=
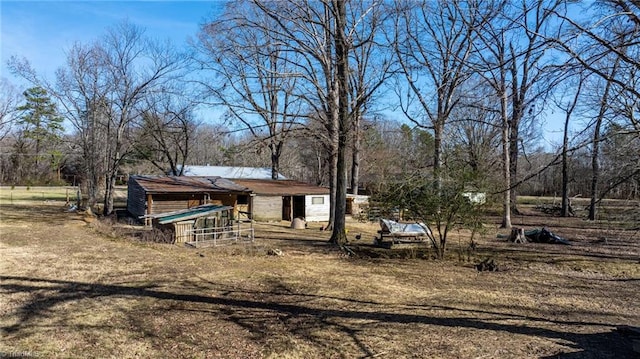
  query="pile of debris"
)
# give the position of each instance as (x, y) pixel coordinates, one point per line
(487, 265)
(543, 235)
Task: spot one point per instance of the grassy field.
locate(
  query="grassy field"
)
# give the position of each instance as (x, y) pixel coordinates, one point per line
(72, 286)
(17, 194)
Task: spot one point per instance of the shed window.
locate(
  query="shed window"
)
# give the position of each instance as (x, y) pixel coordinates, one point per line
(317, 200)
(243, 199)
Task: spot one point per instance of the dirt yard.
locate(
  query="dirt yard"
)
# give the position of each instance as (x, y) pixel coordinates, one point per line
(74, 287)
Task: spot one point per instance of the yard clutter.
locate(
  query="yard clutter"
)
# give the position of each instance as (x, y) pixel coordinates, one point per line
(542, 235)
(402, 232)
(487, 265)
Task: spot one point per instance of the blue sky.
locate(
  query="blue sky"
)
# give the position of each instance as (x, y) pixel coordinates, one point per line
(42, 31)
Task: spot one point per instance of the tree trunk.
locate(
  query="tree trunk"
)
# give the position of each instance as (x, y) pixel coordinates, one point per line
(339, 235)
(566, 209)
(355, 155)
(438, 129)
(108, 193)
(506, 217)
(334, 139)
(92, 179)
(595, 153)
(595, 168)
(564, 212)
(513, 162)
(276, 150)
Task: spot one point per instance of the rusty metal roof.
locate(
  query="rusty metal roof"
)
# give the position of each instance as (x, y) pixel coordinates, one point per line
(187, 184)
(281, 187)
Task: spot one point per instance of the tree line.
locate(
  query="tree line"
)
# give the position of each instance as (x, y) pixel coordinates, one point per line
(378, 95)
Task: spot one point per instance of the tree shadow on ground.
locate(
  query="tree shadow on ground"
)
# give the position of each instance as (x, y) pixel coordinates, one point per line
(257, 312)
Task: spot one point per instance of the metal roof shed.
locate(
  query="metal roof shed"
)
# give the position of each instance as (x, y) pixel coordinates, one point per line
(148, 195)
(275, 200)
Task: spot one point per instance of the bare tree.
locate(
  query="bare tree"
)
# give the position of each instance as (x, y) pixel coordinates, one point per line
(255, 76)
(82, 91)
(135, 67)
(492, 66)
(321, 33)
(605, 45)
(474, 135)
(432, 41)
(207, 144)
(513, 58)
(307, 28)
(371, 66)
(102, 90)
(595, 149)
(165, 134)
(342, 49)
(9, 100)
(566, 207)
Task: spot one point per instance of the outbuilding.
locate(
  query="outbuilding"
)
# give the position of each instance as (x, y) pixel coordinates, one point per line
(206, 225)
(276, 200)
(148, 195)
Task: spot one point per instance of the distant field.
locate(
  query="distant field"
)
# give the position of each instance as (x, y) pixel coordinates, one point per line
(24, 193)
(18, 194)
(576, 201)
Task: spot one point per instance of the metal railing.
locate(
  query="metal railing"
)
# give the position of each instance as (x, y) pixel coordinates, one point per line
(219, 236)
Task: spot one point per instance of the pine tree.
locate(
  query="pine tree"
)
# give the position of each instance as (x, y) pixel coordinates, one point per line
(41, 125)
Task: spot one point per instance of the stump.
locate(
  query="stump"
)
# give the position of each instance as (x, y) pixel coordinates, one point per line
(517, 235)
(487, 265)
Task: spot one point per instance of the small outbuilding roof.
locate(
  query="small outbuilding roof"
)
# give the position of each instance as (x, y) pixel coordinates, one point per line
(230, 172)
(281, 187)
(187, 214)
(186, 184)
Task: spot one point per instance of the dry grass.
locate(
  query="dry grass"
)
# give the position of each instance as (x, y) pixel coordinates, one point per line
(72, 289)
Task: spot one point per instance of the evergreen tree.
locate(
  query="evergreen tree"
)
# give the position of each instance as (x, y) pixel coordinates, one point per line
(40, 127)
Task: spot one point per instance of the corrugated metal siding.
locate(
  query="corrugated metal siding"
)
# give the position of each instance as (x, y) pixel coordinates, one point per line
(267, 208)
(316, 212)
(136, 199)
